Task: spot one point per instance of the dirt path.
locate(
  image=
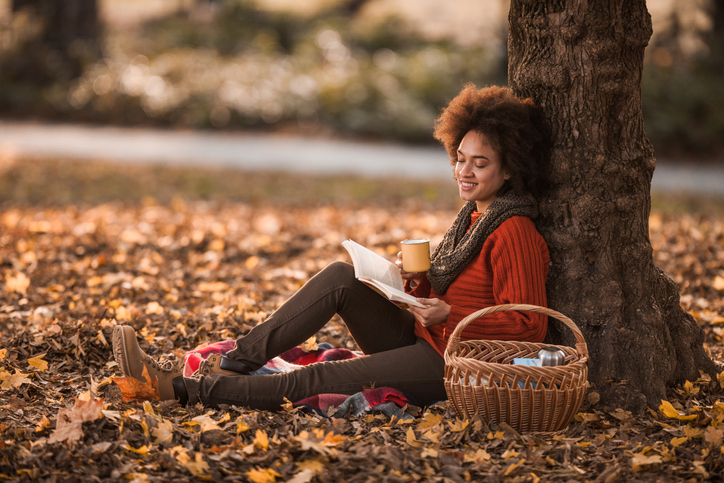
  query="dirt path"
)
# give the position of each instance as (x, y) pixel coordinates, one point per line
(275, 152)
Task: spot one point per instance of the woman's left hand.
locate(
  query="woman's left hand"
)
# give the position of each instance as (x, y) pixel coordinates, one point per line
(435, 312)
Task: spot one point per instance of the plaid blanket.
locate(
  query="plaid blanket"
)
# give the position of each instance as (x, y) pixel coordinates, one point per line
(387, 400)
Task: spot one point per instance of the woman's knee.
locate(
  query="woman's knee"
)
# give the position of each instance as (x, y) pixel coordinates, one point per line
(338, 272)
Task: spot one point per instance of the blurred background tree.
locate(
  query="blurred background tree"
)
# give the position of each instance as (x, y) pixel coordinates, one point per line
(341, 67)
(51, 43)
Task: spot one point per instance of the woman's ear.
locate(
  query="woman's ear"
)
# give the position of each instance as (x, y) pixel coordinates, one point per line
(506, 176)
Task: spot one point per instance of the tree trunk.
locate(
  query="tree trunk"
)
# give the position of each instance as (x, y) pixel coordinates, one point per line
(68, 39)
(581, 61)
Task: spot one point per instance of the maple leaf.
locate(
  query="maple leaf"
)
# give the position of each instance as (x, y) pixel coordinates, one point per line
(134, 390)
(310, 345)
(69, 425)
(12, 380)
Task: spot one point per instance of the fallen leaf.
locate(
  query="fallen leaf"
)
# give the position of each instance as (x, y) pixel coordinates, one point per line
(668, 410)
(12, 380)
(18, 283)
(261, 440)
(134, 390)
(163, 433)
(639, 461)
(259, 475)
(69, 425)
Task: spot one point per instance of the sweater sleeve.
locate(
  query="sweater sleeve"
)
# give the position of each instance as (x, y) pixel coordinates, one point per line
(421, 291)
(518, 261)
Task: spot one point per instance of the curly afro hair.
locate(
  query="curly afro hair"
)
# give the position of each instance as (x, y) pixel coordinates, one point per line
(515, 127)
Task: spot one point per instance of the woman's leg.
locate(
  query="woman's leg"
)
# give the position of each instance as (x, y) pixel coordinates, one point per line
(416, 370)
(375, 324)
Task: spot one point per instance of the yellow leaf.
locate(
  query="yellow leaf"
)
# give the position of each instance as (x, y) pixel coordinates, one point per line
(198, 466)
(44, 423)
(241, 426)
(411, 439)
(676, 442)
(19, 283)
(12, 380)
(310, 345)
(458, 425)
(640, 460)
(3, 354)
(668, 410)
(154, 308)
(207, 423)
(143, 450)
(163, 433)
(38, 363)
(148, 408)
(429, 420)
(720, 379)
(332, 439)
(690, 389)
(693, 432)
(315, 466)
(479, 455)
(259, 475)
(429, 453)
(432, 435)
(513, 467)
(261, 440)
(510, 454)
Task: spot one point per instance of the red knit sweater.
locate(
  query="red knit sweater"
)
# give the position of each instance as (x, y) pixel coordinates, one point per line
(512, 268)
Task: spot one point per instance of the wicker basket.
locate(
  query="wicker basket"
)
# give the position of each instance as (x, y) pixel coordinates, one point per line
(480, 378)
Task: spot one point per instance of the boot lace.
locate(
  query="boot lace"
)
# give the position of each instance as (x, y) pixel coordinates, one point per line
(161, 366)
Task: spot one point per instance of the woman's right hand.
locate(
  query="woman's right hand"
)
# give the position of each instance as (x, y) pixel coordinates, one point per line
(413, 277)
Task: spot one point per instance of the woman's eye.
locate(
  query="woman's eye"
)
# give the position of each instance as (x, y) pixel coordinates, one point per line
(479, 166)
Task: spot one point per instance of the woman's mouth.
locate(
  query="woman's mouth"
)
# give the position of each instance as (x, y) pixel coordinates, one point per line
(467, 186)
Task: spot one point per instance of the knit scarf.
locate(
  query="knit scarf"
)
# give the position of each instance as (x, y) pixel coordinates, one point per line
(460, 246)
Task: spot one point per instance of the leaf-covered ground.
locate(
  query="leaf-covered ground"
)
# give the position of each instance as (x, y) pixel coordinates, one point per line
(184, 272)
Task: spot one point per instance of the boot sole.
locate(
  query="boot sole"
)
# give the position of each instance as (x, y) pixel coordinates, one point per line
(119, 352)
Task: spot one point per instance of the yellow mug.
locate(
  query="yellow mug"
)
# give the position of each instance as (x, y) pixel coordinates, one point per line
(416, 255)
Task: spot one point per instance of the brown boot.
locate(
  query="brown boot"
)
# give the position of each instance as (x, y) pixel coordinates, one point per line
(131, 359)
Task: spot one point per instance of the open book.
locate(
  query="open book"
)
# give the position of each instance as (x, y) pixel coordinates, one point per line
(380, 274)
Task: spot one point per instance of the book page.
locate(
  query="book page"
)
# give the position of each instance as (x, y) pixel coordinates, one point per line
(369, 264)
(392, 293)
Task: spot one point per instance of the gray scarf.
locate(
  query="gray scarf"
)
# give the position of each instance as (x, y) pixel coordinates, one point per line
(460, 246)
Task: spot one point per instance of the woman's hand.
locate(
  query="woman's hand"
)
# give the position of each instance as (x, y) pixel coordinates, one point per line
(413, 277)
(435, 312)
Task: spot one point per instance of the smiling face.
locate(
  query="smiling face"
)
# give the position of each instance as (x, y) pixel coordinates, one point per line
(478, 170)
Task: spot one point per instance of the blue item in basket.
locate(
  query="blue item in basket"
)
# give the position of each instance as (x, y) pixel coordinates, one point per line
(523, 361)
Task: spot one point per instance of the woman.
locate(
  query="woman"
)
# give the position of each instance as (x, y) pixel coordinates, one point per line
(490, 255)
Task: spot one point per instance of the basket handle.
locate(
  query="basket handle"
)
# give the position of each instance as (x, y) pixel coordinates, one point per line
(454, 341)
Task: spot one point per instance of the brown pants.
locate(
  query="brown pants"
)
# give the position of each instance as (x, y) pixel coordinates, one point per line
(394, 356)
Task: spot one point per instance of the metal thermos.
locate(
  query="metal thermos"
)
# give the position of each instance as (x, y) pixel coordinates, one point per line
(551, 356)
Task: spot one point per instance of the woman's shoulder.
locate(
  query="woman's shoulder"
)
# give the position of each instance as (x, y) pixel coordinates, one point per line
(518, 230)
(517, 223)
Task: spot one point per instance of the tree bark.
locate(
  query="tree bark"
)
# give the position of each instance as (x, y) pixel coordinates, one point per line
(582, 61)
